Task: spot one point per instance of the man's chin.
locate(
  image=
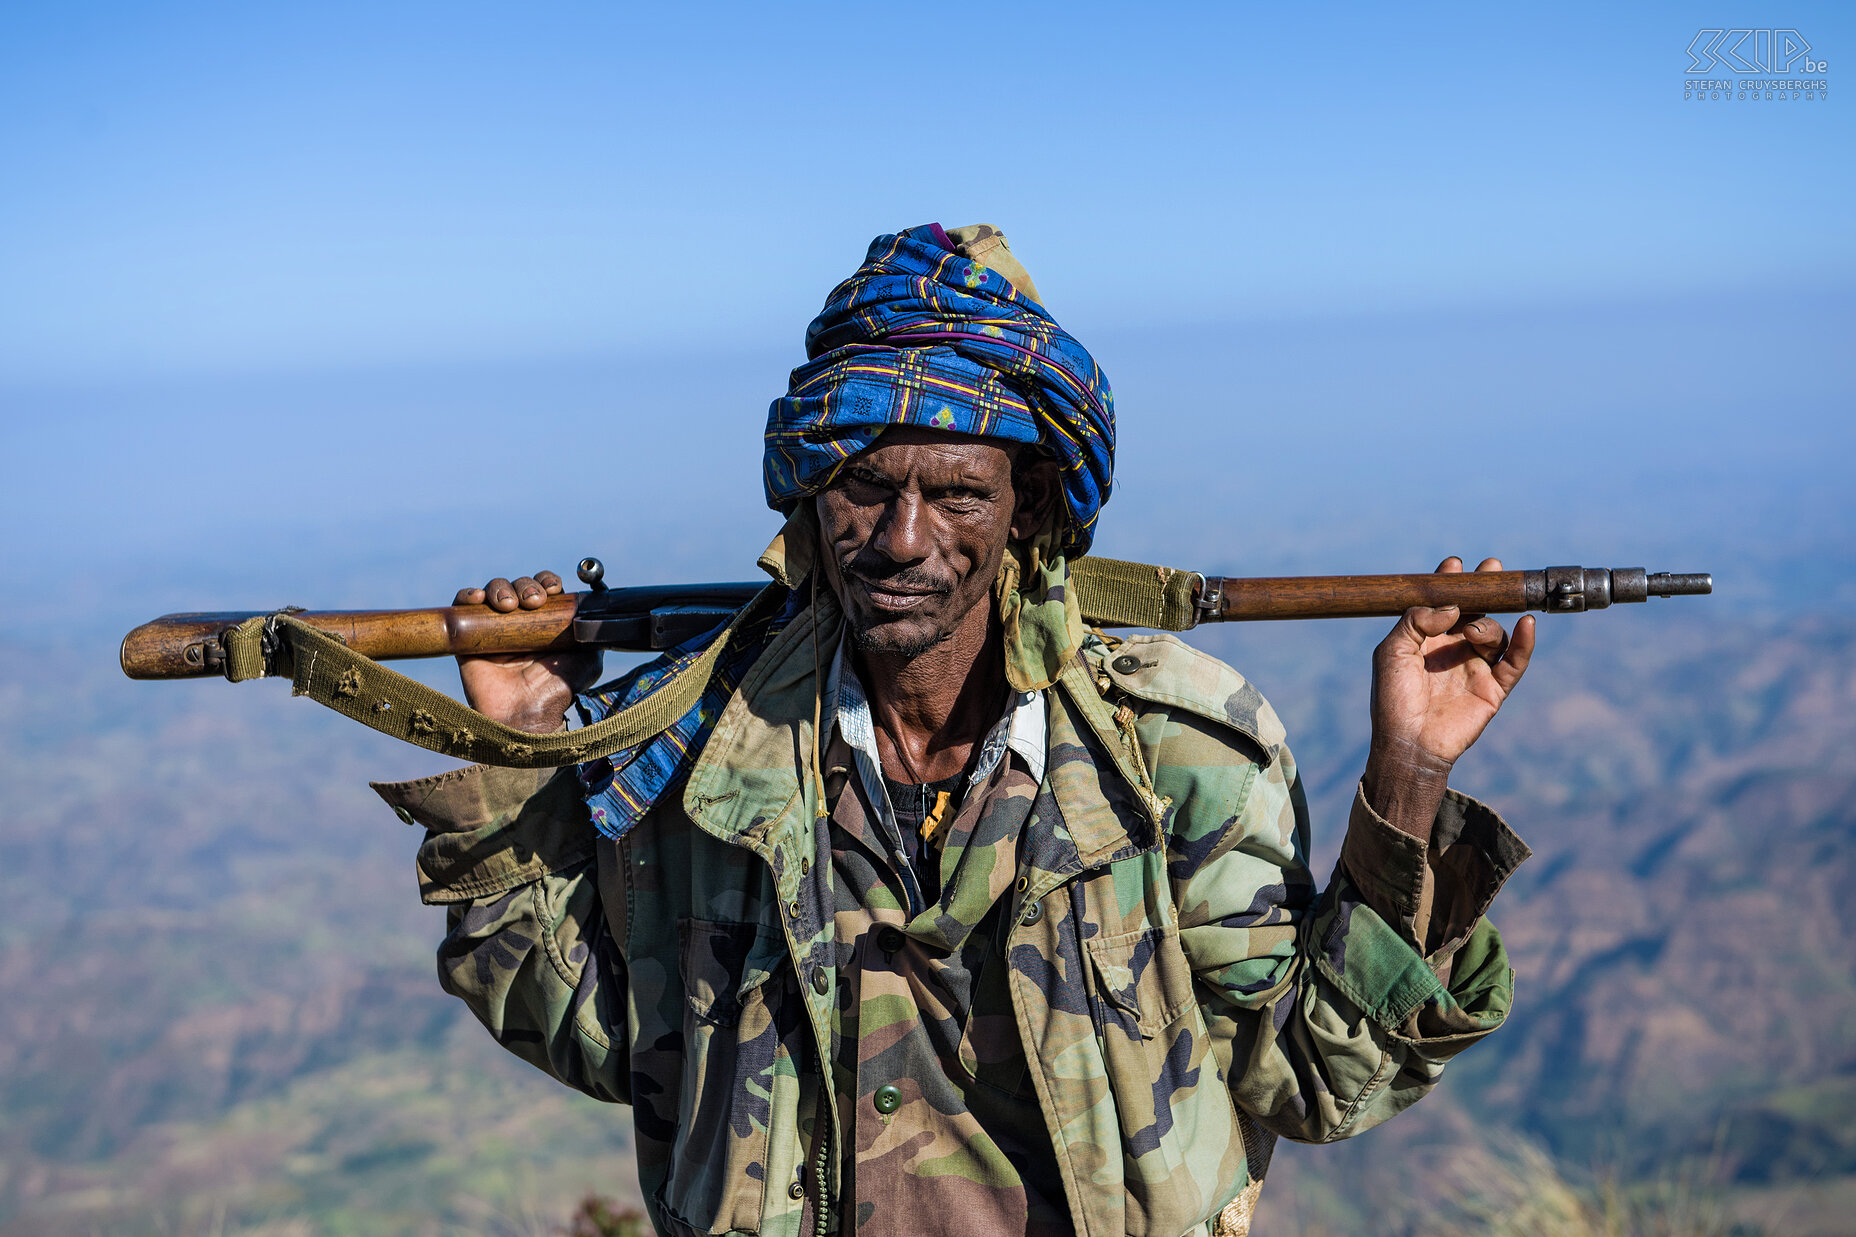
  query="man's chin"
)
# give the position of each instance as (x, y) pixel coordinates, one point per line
(895, 638)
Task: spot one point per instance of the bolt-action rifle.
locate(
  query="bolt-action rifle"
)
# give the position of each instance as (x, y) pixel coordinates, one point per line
(334, 656)
(181, 646)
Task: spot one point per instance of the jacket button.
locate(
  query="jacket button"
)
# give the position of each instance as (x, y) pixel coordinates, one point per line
(888, 1099)
(795, 1191)
(889, 938)
(1127, 663)
(821, 982)
(1033, 912)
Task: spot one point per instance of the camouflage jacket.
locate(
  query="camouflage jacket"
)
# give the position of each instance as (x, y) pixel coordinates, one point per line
(1174, 978)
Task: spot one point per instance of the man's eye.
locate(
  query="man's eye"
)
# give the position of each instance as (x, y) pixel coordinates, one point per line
(862, 486)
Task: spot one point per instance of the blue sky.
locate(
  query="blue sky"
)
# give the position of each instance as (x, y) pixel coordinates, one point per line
(358, 296)
(232, 187)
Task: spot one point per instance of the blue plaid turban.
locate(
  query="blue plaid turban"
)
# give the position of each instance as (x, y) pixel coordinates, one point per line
(921, 335)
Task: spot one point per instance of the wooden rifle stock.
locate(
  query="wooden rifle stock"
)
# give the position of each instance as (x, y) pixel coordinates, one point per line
(180, 646)
(185, 646)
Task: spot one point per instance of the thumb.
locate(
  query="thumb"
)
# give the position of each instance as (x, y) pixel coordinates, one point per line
(1420, 623)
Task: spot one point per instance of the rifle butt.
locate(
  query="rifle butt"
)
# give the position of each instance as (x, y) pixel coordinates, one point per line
(187, 646)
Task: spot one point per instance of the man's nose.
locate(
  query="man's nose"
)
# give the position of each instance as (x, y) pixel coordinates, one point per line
(902, 533)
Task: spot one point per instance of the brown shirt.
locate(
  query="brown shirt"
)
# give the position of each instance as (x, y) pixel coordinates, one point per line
(924, 1020)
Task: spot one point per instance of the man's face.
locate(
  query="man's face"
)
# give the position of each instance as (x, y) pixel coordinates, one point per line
(914, 529)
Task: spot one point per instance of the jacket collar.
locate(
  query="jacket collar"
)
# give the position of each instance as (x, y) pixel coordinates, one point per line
(754, 784)
(756, 780)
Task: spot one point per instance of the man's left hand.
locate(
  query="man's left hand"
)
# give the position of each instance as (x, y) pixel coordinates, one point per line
(1438, 679)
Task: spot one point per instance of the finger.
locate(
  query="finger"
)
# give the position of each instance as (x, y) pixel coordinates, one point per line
(1423, 622)
(1449, 566)
(1520, 651)
(499, 594)
(529, 591)
(1463, 623)
(1468, 620)
(549, 581)
(468, 597)
(1487, 637)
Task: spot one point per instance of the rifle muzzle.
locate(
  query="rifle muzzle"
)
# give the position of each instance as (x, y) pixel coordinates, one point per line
(1570, 590)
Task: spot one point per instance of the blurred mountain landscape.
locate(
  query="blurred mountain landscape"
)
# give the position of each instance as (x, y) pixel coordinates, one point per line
(218, 1011)
(1684, 937)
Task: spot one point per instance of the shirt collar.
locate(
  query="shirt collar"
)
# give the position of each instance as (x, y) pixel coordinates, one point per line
(1024, 727)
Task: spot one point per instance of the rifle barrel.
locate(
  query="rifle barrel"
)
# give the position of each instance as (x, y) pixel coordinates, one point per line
(1555, 589)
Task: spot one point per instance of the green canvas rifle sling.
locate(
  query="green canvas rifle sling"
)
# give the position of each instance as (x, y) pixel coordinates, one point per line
(1109, 592)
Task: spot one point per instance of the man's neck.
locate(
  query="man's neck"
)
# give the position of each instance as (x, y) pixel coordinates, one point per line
(931, 709)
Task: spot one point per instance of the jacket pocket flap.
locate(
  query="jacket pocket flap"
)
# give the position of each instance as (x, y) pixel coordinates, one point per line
(1144, 975)
(723, 962)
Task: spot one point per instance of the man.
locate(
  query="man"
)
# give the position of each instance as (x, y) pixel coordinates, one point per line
(941, 914)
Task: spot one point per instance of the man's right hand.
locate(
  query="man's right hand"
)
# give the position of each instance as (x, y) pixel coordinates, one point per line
(525, 690)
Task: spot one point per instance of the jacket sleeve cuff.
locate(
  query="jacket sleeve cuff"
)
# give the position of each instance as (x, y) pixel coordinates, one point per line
(490, 829)
(1434, 893)
(1441, 1000)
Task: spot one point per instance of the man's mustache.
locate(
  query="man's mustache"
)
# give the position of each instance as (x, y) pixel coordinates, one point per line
(901, 579)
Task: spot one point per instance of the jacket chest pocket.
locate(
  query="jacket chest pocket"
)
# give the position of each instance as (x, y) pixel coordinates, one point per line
(736, 983)
(1143, 982)
(1176, 1117)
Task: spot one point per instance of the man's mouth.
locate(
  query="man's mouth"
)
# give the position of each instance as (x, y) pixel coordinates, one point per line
(892, 596)
(885, 600)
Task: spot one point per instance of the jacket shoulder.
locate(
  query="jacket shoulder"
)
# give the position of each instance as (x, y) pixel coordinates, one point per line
(1162, 669)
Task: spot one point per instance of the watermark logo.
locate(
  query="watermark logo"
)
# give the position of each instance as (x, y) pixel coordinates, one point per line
(1780, 65)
